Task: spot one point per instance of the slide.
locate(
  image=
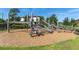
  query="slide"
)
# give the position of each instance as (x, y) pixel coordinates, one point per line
(49, 27)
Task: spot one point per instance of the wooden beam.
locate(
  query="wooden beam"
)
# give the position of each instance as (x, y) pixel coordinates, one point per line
(8, 29)
(28, 17)
(18, 22)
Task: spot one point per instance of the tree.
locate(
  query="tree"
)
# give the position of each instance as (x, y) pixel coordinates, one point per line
(18, 18)
(25, 17)
(72, 22)
(47, 20)
(66, 21)
(53, 19)
(13, 13)
(1, 20)
(60, 23)
(41, 17)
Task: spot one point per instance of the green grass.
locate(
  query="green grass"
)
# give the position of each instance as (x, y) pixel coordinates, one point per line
(66, 45)
(2, 30)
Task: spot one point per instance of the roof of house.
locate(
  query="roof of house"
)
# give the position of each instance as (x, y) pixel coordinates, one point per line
(77, 20)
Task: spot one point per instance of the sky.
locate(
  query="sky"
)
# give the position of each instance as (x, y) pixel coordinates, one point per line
(61, 13)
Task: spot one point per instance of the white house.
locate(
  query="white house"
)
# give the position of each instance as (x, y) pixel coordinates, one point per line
(35, 18)
(22, 19)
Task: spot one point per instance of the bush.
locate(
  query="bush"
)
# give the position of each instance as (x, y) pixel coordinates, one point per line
(19, 26)
(1, 20)
(77, 31)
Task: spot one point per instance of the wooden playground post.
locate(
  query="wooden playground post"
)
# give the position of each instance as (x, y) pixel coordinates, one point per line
(27, 17)
(27, 20)
(8, 30)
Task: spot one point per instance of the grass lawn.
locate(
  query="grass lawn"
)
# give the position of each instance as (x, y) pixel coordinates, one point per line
(2, 30)
(66, 45)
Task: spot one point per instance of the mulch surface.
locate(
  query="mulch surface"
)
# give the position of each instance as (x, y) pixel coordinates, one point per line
(22, 38)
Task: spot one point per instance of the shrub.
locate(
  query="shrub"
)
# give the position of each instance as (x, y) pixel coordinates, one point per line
(77, 31)
(19, 26)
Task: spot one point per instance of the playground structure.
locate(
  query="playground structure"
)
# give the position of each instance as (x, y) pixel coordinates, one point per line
(34, 22)
(36, 26)
(34, 35)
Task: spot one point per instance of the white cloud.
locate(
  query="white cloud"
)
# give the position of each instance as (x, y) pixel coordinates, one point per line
(66, 12)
